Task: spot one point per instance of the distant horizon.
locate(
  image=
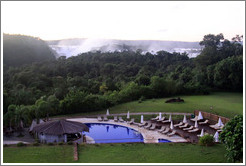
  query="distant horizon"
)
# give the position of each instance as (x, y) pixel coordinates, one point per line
(186, 21)
(110, 39)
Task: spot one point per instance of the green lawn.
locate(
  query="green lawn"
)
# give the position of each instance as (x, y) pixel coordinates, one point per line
(117, 153)
(39, 154)
(223, 103)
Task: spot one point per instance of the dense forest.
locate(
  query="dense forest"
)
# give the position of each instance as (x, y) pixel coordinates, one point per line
(98, 80)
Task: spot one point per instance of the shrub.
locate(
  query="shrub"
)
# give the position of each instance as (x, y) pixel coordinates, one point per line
(20, 144)
(232, 138)
(35, 144)
(50, 144)
(5, 145)
(142, 98)
(70, 143)
(206, 140)
(20, 135)
(60, 143)
(37, 140)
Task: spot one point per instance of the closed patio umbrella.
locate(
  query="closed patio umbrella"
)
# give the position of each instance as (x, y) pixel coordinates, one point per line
(220, 123)
(171, 125)
(196, 124)
(107, 113)
(128, 115)
(200, 116)
(216, 137)
(184, 120)
(160, 116)
(142, 119)
(202, 133)
(170, 118)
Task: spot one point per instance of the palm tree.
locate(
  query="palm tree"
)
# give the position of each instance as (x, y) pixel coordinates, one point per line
(10, 115)
(21, 116)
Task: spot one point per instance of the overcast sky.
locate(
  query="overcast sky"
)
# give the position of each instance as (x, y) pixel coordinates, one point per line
(177, 21)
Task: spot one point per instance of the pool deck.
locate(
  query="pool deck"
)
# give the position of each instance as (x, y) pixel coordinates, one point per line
(150, 136)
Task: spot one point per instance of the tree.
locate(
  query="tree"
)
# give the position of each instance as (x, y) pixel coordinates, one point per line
(9, 117)
(232, 137)
(228, 73)
(54, 104)
(210, 53)
(21, 116)
(143, 80)
(43, 107)
(211, 40)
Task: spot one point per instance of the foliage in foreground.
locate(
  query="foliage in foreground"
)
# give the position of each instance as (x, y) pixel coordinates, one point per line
(206, 140)
(232, 137)
(117, 153)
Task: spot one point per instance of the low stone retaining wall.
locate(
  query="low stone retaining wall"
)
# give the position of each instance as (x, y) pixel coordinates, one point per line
(212, 117)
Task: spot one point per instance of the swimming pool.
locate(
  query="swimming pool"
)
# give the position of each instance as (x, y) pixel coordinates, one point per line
(111, 133)
(163, 140)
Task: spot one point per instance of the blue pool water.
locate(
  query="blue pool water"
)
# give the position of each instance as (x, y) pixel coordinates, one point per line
(110, 133)
(163, 140)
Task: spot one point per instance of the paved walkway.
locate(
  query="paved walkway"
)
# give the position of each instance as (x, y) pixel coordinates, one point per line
(148, 135)
(14, 142)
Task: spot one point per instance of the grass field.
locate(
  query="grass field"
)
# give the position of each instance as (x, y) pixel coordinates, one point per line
(38, 154)
(118, 153)
(224, 104)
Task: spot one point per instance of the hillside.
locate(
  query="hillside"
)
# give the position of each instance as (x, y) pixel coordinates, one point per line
(20, 49)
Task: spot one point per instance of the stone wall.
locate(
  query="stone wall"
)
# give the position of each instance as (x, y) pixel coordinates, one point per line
(212, 117)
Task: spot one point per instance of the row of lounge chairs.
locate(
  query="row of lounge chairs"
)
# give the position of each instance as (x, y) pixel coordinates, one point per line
(99, 118)
(167, 131)
(184, 127)
(118, 119)
(146, 125)
(152, 126)
(162, 120)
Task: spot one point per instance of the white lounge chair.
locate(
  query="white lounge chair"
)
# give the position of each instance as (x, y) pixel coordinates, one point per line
(194, 130)
(142, 124)
(165, 121)
(179, 124)
(131, 121)
(189, 128)
(99, 118)
(115, 119)
(148, 126)
(120, 119)
(162, 129)
(155, 118)
(105, 118)
(216, 127)
(172, 133)
(205, 122)
(152, 127)
(166, 131)
(161, 119)
(183, 126)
